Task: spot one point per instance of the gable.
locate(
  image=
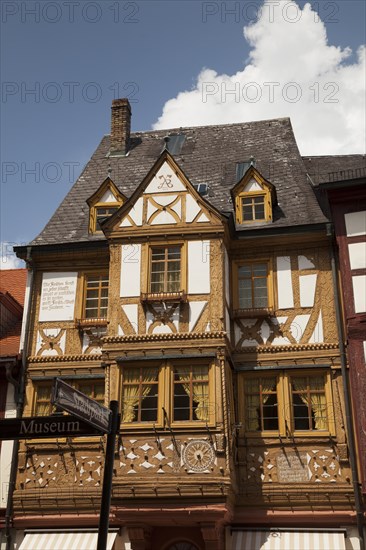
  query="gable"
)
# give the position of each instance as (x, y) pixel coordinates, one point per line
(103, 203)
(165, 198)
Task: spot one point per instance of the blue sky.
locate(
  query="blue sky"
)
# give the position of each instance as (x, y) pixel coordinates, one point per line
(77, 56)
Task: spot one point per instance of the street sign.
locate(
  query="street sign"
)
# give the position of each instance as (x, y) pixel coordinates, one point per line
(39, 427)
(80, 405)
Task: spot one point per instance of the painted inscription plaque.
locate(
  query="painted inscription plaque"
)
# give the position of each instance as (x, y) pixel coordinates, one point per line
(292, 468)
(58, 296)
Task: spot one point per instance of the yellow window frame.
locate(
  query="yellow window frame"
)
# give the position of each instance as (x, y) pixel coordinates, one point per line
(284, 404)
(166, 396)
(265, 193)
(160, 402)
(95, 203)
(211, 395)
(183, 264)
(87, 276)
(270, 283)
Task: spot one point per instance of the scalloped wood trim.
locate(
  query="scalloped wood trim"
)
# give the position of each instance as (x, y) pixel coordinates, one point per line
(64, 358)
(168, 336)
(278, 349)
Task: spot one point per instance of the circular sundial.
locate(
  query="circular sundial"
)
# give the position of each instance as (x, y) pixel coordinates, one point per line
(198, 455)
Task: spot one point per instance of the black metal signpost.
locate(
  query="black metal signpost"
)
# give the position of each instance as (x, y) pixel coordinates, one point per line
(87, 418)
(107, 478)
(41, 427)
(82, 406)
(106, 420)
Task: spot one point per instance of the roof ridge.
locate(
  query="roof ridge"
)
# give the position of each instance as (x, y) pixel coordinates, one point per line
(206, 126)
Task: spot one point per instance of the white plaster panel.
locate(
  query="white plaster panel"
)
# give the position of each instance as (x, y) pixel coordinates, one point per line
(318, 335)
(305, 263)
(177, 208)
(237, 333)
(265, 331)
(136, 212)
(359, 292)
(108, 197)
(253, 185)
(86, 344)
(149, 320)
(355, 223)
(284, 281)
(208, 327)
(198, 267)
(280, 340)
(131, 311)
(130, 270)
(298, 326)
(357, 255)
(162, 329)
(164, 200)
(203, 218)
(192, 208)
(120, 331)
(163, 218)
(165, 180)
(175, 317)
(307, 290)
(151, 208)
(125, 223)
(49, 353)
(58, 296)
(227, 278)
(195, 310)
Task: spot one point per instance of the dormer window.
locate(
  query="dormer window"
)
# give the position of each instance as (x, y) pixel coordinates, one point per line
(254, 198)
(103, 204)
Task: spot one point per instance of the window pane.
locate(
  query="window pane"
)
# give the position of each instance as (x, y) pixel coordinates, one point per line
(165, 269)
(174, 252)
(259, 212)
(96, 300)
(191, 398)
(260, 269)
(261, 411)
(245, 271)
(309, 403)
(140, 394)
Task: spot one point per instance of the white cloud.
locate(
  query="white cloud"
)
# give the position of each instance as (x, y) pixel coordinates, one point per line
(293, 72)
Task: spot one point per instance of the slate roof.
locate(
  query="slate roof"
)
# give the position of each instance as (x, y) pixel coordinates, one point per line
(330, 169)
(209, 155)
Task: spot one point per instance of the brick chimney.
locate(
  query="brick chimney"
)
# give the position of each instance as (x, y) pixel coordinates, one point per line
(121, 126)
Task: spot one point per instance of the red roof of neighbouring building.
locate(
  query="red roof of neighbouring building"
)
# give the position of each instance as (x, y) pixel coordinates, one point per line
(13, 281)
(12, 292)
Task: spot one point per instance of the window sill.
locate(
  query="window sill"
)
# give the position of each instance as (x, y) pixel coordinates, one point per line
(252, 312)
(149, 297)
(95, 322)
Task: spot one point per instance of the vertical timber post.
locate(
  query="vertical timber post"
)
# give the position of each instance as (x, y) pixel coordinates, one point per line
(107, 478)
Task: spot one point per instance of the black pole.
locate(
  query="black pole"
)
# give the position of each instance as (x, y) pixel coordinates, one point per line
(107, 478)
